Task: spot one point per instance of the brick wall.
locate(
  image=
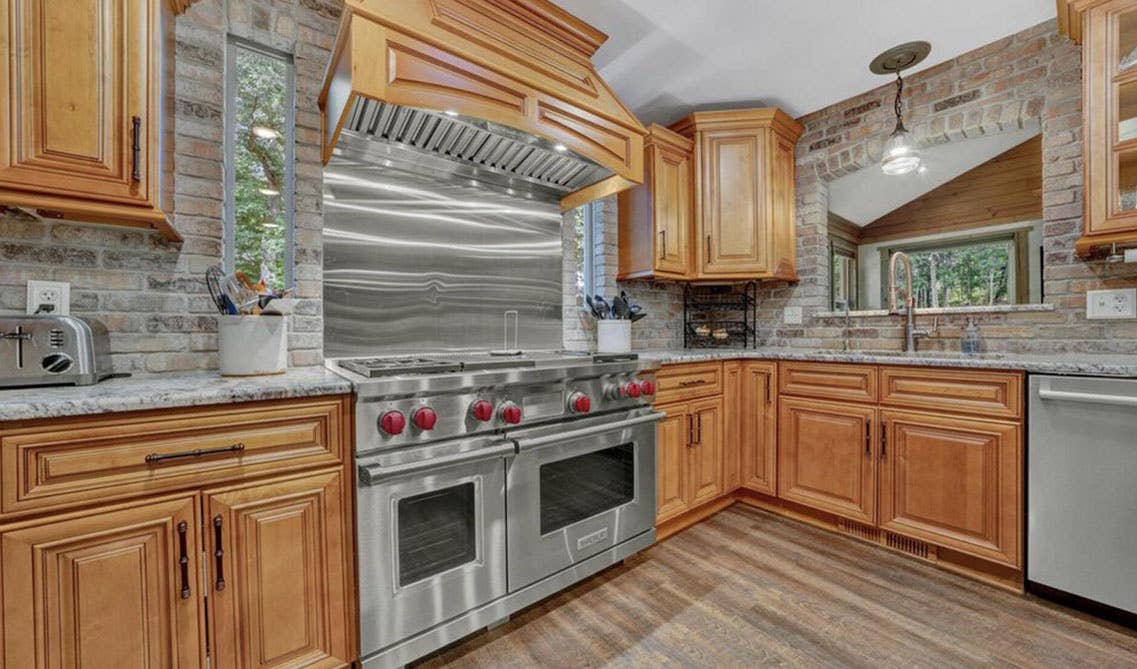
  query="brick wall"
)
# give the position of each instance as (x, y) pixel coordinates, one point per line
(1030, 79)
(150, 292)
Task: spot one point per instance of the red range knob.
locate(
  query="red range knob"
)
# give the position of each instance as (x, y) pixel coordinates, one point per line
(579, 403)
(510, 413)
(647, 387)
(392, 422)
(632, 389)
(425, 418)
(481, 410)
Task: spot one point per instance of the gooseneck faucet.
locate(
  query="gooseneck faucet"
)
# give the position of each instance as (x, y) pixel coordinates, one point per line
(910, 331)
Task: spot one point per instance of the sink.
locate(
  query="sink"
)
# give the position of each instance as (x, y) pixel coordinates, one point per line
(953, 355)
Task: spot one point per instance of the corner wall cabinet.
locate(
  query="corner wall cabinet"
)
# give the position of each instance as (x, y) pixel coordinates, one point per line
(242, 556)
(1108, 32)
(923, 460)
(87, 133)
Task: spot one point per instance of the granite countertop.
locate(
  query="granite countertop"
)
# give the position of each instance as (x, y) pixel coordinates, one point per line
(1074, 364)
(166, 391)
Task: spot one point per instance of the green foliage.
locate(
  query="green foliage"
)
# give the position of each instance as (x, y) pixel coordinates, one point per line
(259, 167)
(968, 275)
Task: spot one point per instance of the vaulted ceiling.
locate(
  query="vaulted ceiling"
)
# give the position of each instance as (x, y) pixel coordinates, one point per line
(666, 57)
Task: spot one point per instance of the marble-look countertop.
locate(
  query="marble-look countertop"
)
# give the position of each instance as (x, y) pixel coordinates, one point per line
(1073, 364)
(166, 391)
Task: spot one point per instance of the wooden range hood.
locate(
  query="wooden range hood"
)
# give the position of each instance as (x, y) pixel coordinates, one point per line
(526, 64)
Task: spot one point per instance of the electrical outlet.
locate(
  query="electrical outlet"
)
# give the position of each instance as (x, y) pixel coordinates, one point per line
(792, 315)
(1111, 304)
(55, 293)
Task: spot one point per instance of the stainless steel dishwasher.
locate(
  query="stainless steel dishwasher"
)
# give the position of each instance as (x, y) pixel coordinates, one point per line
(1082, 489)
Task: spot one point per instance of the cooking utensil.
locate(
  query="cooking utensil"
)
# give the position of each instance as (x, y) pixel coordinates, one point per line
(603, 305)
(637, 316)
(213, 278)
(620, 307)
(596, 313)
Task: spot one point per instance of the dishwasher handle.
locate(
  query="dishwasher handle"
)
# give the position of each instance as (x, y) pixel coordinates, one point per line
(569, 435)
(1047, 392)
(373, 474)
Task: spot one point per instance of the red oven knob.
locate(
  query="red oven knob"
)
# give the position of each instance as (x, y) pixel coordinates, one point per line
(482, 410)
(392, 422)
(647, 387)
(632, 389)
(579, 403)
(510, 413)
(425, 418)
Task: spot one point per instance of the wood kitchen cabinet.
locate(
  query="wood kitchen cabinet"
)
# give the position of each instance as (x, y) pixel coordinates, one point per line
(689, 456)
(744, 223)
(827, 456)
(1108, 32)
(88, 130)
(122, 534)
(118, 587)
(279, 583)
(757, 413)
(655, 217)
(953, 481)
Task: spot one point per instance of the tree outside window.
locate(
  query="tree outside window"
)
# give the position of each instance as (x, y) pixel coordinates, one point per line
(971, 274)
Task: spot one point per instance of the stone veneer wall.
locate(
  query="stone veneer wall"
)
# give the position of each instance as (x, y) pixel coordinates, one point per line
(149, 292)
(1032, 78)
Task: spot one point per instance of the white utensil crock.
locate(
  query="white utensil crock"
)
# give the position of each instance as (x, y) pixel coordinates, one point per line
(252, 345)
(614, 336)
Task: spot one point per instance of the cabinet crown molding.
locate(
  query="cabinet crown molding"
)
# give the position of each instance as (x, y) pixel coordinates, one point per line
(733, 119)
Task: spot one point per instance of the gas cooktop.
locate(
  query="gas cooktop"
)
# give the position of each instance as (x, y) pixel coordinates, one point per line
(377, 367)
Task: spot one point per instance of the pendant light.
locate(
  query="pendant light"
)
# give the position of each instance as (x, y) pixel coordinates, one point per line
(901, 155)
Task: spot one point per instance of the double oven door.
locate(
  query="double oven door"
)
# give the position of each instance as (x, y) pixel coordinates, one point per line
(578, 489)
(432, 538)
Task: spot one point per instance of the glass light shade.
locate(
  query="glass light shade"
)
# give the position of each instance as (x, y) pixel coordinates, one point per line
(900, 154)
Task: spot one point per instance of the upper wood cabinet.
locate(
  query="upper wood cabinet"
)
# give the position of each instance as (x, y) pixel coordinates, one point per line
(1108, 30)
(86, 131)
(655, 217)
(744, 221)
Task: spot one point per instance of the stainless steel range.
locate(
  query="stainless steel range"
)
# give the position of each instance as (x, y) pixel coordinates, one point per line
(487, 483)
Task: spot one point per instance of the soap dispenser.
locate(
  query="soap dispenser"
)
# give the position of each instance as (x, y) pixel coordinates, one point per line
(969, 343)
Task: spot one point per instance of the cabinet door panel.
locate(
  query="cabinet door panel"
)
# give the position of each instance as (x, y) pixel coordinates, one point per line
(280, 597)
(77, 79)
(105, 590)
(826, 456)
(706, 450)
(734, 235)
(672, 171)
(671, 462)
(953, 481)
(759, 427)
(733, 417)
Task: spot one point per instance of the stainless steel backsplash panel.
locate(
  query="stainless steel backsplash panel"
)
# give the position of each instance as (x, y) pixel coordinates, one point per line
(418, 258)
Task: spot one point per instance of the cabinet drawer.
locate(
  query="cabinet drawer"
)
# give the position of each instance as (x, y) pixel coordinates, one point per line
(987, 394)
(64, 463)
(685, 382)
(856, 383)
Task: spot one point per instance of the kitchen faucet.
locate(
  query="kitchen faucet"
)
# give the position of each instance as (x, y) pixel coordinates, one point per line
(911, 334)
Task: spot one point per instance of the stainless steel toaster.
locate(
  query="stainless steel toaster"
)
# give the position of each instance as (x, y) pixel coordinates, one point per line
(52, 350)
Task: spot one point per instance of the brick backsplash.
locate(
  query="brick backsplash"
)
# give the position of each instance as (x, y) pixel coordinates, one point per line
(150, 292)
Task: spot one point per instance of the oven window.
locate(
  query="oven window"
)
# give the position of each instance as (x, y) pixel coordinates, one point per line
(436, 532)
(587, 485)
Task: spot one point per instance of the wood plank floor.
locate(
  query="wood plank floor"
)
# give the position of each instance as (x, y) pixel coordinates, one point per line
(747, 588)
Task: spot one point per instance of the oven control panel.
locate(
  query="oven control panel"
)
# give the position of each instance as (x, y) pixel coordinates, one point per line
(405, 421)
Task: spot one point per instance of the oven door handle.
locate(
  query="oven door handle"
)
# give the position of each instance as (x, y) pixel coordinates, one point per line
(373, 474)
(569, 435)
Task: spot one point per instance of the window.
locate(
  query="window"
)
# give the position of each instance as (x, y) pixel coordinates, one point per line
(963, 273)
(843, 274)
(259, 111)
(584, 229)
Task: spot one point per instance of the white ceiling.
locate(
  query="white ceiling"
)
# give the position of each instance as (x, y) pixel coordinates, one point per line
(866, 195)
(667, 57)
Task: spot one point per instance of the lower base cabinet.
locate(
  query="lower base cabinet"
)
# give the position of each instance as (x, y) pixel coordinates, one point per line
(758, 414)
(689, 456)
(120, 588)
(953, 481)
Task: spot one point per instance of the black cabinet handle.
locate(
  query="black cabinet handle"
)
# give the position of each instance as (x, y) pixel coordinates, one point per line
(136, 149)
(883, 441)
(689, 384)
(195, 453)
(868, 448)
(218, 554)
(183, 558)
(662, 244)
(690, 431)
(699, 434)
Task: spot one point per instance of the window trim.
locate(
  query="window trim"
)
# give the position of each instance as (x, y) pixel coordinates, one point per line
(845, 249)
(587, 245)
(229, 206)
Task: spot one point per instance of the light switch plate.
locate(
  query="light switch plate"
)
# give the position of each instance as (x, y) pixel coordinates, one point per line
(55, 293)
(1111, 304)
(792, 316)
(1130, 255)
